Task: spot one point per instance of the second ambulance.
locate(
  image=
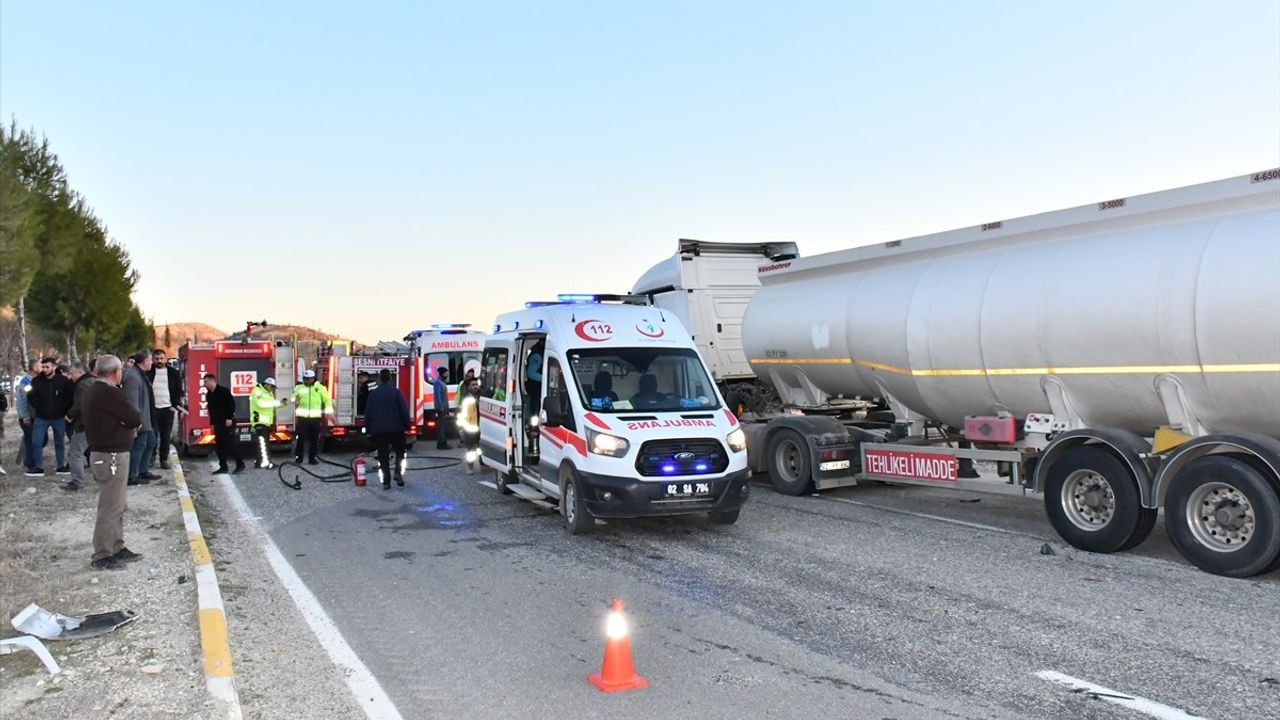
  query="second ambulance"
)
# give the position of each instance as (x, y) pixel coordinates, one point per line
(606, 408)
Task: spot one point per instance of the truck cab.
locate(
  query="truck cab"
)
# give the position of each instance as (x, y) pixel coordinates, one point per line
(606, 407)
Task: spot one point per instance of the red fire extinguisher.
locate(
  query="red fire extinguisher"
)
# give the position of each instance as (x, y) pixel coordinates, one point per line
(358, 471)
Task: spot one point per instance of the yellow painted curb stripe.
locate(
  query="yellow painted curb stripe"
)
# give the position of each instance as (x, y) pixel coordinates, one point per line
(184, 501)
(217, 648)
(199, 550)
(981, 372)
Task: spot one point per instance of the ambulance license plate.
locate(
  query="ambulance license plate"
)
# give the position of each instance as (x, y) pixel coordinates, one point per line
(691, 489)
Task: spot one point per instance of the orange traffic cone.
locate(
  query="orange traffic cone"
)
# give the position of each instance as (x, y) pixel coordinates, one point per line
(618, 673)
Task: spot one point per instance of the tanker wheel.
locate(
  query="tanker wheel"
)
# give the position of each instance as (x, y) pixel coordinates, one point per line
(1223, 515)
(1093, 503)
(789, 463)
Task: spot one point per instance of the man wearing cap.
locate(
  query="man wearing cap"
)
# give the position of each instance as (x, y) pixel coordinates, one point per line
(311, 405)
(440, 401)
(222, 416)
(262, 416)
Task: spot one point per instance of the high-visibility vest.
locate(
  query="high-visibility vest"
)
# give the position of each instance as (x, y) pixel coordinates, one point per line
(312, 401)
(469, 415)
(262, 406)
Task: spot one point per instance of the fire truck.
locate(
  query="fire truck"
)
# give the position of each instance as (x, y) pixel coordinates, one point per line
(350, 379)
(239, 365)
(450, 345)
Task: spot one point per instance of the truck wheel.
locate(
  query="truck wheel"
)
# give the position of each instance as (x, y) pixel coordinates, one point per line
(577, 519)
(1223, 515)
(724, 517)
(1092, 501)
(789, 463)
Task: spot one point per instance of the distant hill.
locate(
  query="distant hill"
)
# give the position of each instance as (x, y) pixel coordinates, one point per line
(183, 332)
(306, 338)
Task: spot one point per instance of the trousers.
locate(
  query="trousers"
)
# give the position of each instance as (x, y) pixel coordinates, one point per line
(385, 443)
(110, 470)
(79, 445)
(308, 431)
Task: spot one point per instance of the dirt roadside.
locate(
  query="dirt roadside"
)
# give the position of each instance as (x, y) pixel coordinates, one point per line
(152, 668)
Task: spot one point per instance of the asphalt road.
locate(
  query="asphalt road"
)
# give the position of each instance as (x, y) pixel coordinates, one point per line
(866, 602)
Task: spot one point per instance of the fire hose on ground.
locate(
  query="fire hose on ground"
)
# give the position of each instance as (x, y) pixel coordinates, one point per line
(350, 472)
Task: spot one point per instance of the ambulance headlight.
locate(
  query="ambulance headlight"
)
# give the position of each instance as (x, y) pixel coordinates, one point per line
(606, 444)
(737, 440)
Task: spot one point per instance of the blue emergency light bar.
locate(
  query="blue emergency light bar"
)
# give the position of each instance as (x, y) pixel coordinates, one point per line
(577, 298)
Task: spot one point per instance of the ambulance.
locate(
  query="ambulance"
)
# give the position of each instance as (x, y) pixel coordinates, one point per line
(603, 408)
(449, 345)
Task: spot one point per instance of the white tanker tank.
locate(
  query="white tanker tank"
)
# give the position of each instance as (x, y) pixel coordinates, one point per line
(1157, 310)
(1120, 358)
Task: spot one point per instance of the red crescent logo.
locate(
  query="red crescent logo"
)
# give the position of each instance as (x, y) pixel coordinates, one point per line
(640, 329)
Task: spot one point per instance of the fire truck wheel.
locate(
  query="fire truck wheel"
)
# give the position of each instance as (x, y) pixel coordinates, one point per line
(789, 464)
(1223, 515)
(577, 519)
(1092, 500)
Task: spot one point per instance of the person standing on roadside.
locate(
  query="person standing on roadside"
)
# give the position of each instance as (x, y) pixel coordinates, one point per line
(387, 418)
(469, 423)
(166, 387)
(262, 416)
(110, 422)
(81, 380)
(50, 397)
(27, 418)
(440, 401)
(222, 416)
(311, 404)
(138, 390)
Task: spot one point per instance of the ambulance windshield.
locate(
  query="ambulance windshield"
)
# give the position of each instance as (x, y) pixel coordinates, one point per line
(642, 380)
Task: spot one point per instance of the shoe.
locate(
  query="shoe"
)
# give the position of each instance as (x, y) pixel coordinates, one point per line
(164, 465)
(38, 472)
(62, 470)
(126, 556)
(107, 563)
(268, 466)
(239, 469)
(148, 475)
(221, 470)
(386, 485)
(444, 447)
(400, 480)
(313, 461)
(71, 487)
(138, 481)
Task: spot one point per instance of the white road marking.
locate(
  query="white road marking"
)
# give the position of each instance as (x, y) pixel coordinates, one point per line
(364, 686)
(1133, 702)
(928, 516)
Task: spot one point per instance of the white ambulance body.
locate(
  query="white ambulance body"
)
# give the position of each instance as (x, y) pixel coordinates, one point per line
(449, 345)
(608, 409)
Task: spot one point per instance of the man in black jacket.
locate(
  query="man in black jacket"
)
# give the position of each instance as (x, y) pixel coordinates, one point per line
(51, 397)
(386, 418)
(79, 374)
(222, 416)
(166, 385)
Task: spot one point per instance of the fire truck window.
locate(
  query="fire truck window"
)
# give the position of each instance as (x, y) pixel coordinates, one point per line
(493, 378)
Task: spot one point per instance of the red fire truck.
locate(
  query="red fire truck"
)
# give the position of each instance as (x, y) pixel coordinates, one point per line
(450, 345)
(350, 379)
(239, 365)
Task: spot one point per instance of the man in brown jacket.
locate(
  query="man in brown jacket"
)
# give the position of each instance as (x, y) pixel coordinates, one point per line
(110, 424)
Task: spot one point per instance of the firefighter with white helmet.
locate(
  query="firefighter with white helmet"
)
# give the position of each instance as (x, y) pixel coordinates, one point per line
(312, 404)
(262, 416)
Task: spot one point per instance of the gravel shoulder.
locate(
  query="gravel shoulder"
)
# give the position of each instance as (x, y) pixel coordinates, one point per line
(151, 668)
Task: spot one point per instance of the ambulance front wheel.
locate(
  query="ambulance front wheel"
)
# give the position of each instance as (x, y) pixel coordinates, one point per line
(577, 519)
(502, 481)
(724, 517)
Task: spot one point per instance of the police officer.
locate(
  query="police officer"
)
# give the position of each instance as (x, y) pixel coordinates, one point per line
(262, 416)
(312, 404)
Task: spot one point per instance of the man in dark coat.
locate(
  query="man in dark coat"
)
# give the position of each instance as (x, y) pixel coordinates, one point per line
(386, 418)
(110, 422)
(50, 397)
(222, 416)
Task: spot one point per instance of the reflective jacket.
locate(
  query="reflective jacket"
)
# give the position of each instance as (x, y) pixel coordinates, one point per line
(262, 405)
(469, 414)
(312, 401)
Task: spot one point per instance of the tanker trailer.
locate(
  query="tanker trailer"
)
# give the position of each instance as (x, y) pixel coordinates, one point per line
(1119, 357)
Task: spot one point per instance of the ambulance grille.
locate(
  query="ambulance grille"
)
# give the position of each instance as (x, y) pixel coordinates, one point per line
(657, 458)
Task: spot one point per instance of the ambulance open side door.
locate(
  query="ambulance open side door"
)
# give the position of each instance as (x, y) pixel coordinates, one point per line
(498, 421)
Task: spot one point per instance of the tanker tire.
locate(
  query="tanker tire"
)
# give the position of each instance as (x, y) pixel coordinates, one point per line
(789, 464)
(577, 519)
(1123, 528)
(724, 517)
(1146, 523)
(1225, 482)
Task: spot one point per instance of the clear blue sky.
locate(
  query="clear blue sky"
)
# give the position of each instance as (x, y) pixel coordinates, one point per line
(369, 168)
